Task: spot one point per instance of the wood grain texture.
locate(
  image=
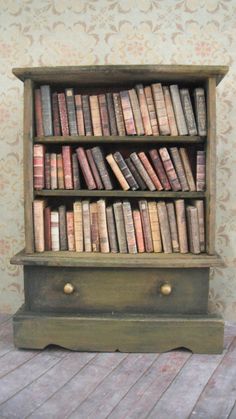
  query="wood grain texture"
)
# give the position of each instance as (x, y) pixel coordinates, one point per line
(160, 139)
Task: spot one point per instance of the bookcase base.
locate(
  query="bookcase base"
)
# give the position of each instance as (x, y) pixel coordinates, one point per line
(124, 333)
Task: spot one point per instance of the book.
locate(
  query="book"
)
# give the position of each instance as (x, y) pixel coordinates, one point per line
(170, 111)
(160, 107)
(187, 169)
(151, 173)
(55, 115)
(111, 229)
(86, 226)
(111, 114)
(87, 115)
(117, 172)
(46, 110)
(119, 114)
(178, 110)
(144, 109)
(200, 109)
(94, 227)
(136, 175)
(83, 161)
(38, 113)
(70, 101)
(151, 110)
(38, 166)
(158, 165)
(164, 227)
(173, 226)
(193, 229)
(63, 114)
(60, 172)
(38, 213)
(104, 114)
(147, 233)
(101, 166)
(120, 227)
(63, 236)
(67, 166)
(102, 226)
(47, 229)
(155, 226)
(181, 225)
(95, 115)
(78, 226)
(70, 230)
(127, 113)
(55, 231)
(175, 155)
(94, 169)
(136, 112)
(188, 111)
(201, 171)
(79, 115)
(169, 168)
(47, 170)
(138, 231)
(75, 171)
(142, 171)
(125, 170)
(53, 171)
(129, 227)
(199, 204)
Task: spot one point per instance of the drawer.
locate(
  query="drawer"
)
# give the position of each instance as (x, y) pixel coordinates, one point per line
(107, 290)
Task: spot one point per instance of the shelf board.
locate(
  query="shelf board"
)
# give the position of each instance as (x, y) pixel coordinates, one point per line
(111, 260)
(119, 139)
(118, 194)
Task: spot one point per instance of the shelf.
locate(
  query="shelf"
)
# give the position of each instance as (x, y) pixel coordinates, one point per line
(119, 194)
(119, 139)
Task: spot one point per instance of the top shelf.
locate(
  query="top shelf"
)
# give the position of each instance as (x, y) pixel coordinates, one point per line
(119, 139)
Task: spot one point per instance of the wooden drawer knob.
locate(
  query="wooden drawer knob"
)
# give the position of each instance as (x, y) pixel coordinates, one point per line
(68, 288)
(166, 289)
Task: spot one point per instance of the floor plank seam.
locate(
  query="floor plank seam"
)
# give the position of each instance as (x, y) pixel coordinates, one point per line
(18, 366)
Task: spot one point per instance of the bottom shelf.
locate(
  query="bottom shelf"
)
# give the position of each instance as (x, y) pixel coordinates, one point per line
(124, 333)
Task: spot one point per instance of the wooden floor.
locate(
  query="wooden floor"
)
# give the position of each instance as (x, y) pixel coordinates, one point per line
(56, 383)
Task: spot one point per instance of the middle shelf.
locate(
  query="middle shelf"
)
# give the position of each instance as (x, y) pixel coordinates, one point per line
(119, 193)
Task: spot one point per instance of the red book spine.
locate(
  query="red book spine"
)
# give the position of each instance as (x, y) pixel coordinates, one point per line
(157, 163)
(67, 165)
(38, 163)
(79, 114)
(47, 228)
(138, 231)
(150, 171)
(83, 161)
(63, 114)
(94, 169)
(38, 113)
(70, 230)
(47, 171)
(55, 114)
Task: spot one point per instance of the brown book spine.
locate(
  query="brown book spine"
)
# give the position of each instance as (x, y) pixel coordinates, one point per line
(144, 109)
(38, 163)
(187, 168)
(63, 114)
(88, 177)
(46, 110)
(164, 226)
(120, 227)
(55, 115)
(125, 170)
(142, 171)
(179, 168)
(47, 228)
(67, 165)
(151, 110)
(178, 110)
(86, 226)
(38, 113)
(136, 112)
(129, 227)
(117, 172)
(94, 169)
(70, 230)
(70, 100)
(79, 115)
(193, 229)
(60, 172)
(157, 163)
(63, 228)
(147, 233)
(127, 113)
(138, 231)
(111, 114)
(201, 171)
(181, 225)
(102, 226)
(55, 231)
(136, 175)
(119, 114)
(53, 169)
(150, 171)
(78, 226)
(173, 226)
(75, 171)
(104, 115)
(47, 170)
(199, 204)
(188, 111)
(95, 114)
(170, 111)
(111, 229)
(94, 227)
(200, 109)
(155, 226)
(160, 107)
(170, 170)
(101, 166)
(87, 115)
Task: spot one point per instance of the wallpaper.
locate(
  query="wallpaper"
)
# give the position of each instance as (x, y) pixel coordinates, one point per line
(67, 32)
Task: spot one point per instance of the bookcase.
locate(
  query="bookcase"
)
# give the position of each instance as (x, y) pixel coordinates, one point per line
(144, 302)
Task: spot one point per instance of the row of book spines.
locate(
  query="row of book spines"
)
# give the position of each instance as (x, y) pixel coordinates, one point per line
(150, 110)
(169, 169)
(155, 226)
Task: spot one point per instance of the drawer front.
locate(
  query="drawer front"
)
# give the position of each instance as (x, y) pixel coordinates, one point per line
(81, 290)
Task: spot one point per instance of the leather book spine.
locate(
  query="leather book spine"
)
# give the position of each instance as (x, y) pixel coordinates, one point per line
(70, 230)
(129, 227)
(79, 115)
(94, 170)
(155, 226)
(160, 107)
(170, 111)
(63, 228)
(38, 212)
(147, 233)
(38, 113)
(47, 229)
(125, 170)
(199, 204)
(67, 165)
(173, 226)
(120, 227)
(86, 226)
(151, 173)
(138, 231)
(136, 175)
(169, 168)
(87, 115)
(47, 170)
(178, 110)
(83, 161)
(104, 115)
(200, 109)
(158, 165)
(78, 226)
(111, 114)
(201, 171)
(55, 115)
(136, 112)
(187, 169)
(94, 227)
(101, 166)
(70, 100)
(181, 225)
(111, 230)
(142, 171)
(63, 114)
(75, 171)
(46, 110)
(193, 229)
(127, 113)
(164, 226)
(95, 115)
(53, 170)
(60, 172)
(188, 111)
(144, 109)
(117, 172)
(102, 226)
(39, 166)
(119, 114)
(55, 231)
(174, 152)
(151, 110)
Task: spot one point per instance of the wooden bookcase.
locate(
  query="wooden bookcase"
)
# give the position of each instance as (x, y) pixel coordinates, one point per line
(118, 303)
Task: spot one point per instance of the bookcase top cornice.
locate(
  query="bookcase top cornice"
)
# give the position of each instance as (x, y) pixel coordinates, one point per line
(110, 74)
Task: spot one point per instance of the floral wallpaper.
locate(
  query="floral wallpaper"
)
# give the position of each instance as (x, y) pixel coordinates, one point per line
(75, 32)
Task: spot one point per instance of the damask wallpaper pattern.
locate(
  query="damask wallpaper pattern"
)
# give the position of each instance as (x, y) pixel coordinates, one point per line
(75, 32)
